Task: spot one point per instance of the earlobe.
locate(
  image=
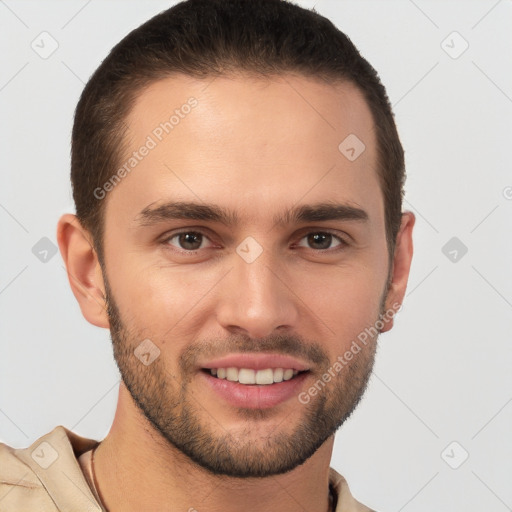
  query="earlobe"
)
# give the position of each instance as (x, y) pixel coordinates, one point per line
(83, 269)
(400, 268)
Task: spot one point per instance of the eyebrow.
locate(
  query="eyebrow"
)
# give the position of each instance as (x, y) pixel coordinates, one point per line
(185, 210)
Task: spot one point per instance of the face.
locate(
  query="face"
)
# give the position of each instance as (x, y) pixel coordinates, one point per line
(244, 255)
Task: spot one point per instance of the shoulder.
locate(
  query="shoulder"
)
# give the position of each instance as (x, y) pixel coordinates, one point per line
(46, 475)
(20, 489)
(345, 501)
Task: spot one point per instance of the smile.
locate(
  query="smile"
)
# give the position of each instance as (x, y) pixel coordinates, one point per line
(250, 376)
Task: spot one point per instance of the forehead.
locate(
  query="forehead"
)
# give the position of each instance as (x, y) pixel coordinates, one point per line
(249, 142)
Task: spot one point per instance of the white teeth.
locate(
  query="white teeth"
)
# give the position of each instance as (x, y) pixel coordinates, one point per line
(232, 374)
(250, 376)
(288, 374)
(265, 376)
(246, 376)
(278, 375)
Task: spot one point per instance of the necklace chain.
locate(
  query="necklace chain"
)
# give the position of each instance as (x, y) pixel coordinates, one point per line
(95, 482)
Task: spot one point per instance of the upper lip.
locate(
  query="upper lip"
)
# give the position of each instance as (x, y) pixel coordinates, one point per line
(254, 361)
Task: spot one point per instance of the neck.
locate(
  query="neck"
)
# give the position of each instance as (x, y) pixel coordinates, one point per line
(136, 469)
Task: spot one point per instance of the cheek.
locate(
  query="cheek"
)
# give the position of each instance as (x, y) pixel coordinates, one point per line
(159, 301)
(345, 301)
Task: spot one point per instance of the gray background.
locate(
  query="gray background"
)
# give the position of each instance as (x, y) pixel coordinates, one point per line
(443, 374)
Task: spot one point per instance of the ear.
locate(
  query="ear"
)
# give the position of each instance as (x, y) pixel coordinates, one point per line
(400, 268)
(83, 269)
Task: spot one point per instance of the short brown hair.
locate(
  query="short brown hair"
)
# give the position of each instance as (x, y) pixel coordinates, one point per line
(206, 38)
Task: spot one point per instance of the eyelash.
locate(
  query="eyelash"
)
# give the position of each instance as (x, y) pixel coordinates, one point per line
(342, 242)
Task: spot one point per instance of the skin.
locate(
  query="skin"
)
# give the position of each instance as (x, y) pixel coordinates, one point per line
(256, 147)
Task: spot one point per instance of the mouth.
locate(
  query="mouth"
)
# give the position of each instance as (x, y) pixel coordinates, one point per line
(255, 381)
(251, 376)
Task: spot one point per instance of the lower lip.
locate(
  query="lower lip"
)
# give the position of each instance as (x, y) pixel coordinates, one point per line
(254, 396)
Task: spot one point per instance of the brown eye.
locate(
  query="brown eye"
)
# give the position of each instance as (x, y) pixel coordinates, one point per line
(321, 240)
(188, 240)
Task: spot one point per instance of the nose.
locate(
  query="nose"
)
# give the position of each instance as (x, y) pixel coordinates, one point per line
(257, 299)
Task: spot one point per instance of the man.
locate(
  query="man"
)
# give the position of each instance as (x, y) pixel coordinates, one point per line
(238, 182)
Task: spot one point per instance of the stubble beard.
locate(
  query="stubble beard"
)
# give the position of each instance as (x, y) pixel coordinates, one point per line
(169, 405)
